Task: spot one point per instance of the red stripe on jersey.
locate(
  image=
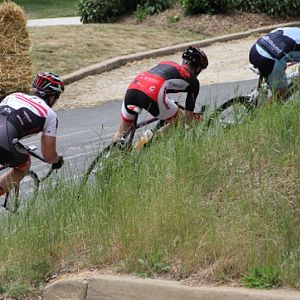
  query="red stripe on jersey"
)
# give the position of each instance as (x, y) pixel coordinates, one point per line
(149, 84)
(41, 110)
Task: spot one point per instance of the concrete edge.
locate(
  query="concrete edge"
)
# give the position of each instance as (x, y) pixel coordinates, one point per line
(104, 286)
(113, 63)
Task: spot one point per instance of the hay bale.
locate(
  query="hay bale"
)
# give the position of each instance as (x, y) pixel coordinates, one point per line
(16, 69)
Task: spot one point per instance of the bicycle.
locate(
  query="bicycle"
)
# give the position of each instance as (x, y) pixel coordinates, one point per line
(11, 199)
(125, 144)
(130, 141)
(236, 109)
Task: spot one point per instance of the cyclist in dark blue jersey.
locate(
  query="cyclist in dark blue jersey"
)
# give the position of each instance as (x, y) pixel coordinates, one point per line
(271, 53)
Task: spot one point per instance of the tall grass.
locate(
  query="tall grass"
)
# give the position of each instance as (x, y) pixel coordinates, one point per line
(213, 205)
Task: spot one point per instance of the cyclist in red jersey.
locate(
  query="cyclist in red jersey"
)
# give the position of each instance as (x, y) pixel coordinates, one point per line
(149, 90)
(22, 115)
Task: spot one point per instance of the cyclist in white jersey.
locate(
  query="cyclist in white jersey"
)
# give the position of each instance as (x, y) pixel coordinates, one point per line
(271, 53)
(22, 115)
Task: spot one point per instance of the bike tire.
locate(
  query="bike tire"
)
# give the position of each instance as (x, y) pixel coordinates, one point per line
(232, 112)
(125, 143)
(26, 189)
(293, 89)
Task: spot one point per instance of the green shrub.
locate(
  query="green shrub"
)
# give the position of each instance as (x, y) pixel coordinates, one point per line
(140, 13)
(205, 6)
(130, 5)
(100, 11)
(151, 7)
(270, 7)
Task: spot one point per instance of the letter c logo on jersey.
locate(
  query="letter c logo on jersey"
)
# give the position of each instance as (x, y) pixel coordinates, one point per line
(152, 89)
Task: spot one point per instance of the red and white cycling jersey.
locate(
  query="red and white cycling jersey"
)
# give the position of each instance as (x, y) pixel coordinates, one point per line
(149, 90)
(29, 114)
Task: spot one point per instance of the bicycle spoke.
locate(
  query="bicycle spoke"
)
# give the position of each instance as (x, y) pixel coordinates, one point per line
(233, 115)
(29, 184)
(233, 112)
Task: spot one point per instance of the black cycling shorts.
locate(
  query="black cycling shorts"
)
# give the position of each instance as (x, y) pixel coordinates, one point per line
(140, 99)
(265, 65)
(9, 156)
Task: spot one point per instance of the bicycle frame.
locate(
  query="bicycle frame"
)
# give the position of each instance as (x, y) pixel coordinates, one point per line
(125, 142)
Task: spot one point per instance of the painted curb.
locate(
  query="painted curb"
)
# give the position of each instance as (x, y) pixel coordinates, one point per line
(123, 60)
(54, 22)
(128, 288)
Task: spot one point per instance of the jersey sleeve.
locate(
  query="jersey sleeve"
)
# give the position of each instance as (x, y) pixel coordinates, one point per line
(192, 94)
(51, 124)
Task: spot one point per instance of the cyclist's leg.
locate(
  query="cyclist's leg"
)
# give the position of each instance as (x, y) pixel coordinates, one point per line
(168, 109)
(277, 79)
(5, 156)
(126, 123)
(19, 162)
(128, 115)
(134, 99)
(263, 61)
(14, 176)
(292, 79)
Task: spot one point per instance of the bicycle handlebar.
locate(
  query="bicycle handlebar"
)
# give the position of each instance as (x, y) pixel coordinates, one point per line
(21, 146)
(28, 150)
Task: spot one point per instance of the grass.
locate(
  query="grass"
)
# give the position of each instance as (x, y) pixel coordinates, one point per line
(65, 49)
(223, 206)
(38, 9)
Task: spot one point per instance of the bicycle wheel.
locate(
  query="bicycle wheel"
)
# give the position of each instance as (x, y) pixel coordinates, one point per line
(293, 90)
(125, 142)
(232, 112)
(27, 189)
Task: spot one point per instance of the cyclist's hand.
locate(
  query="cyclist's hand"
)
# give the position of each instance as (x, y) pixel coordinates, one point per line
(197, 117)
(59, 163)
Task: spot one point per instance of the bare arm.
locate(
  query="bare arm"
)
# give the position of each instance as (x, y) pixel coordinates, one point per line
(48, 148)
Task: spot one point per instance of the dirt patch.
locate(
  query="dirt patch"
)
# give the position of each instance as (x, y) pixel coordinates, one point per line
(210, 25)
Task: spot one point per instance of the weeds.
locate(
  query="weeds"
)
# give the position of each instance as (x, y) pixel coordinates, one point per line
(224, 201)
(265, 277)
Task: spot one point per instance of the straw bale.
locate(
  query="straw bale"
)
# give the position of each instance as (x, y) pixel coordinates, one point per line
(16, 69)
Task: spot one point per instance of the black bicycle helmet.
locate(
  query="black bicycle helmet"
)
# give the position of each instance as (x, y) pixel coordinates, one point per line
(47, 84)
(195, 57)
